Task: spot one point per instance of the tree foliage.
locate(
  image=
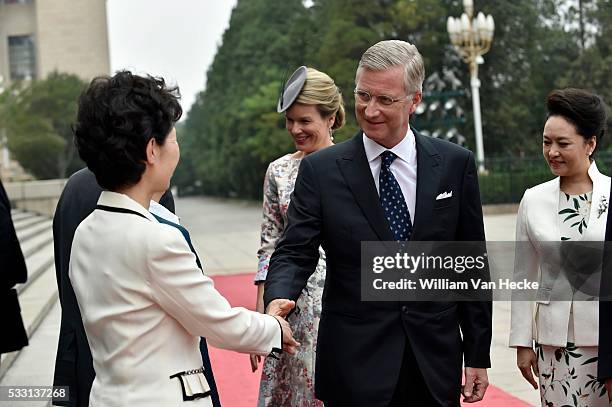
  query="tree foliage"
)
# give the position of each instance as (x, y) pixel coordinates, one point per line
(222, 138)
(233, 131)
(38, 121)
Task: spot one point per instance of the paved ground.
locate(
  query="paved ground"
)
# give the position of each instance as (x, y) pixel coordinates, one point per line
(226, 234)
(504, 373)
(35, 364)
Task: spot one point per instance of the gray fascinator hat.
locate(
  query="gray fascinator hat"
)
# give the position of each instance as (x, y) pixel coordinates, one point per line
(291, 89)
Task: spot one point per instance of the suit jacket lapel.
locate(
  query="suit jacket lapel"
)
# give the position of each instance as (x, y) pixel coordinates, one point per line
(428, 179)
(355, 169)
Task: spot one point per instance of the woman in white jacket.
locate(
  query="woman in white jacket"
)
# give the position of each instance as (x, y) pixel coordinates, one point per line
(143, 299)
(563, 321)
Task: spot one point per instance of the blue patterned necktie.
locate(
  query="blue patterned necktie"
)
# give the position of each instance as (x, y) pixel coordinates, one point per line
(392, 200)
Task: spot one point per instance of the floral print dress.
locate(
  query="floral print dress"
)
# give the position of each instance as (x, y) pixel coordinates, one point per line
(289, 381)
(568, 375)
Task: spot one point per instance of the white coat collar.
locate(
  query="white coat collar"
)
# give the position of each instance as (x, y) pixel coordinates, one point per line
(597, 177)
(599, 202)
(597, 218)
(117, 200)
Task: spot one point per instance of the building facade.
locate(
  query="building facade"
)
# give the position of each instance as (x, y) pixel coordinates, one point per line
(41, 36)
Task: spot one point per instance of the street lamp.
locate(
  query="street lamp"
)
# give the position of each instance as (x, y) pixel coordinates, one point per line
(472, 38)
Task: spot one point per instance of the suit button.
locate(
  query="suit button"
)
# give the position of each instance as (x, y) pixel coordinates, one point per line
(404, 309)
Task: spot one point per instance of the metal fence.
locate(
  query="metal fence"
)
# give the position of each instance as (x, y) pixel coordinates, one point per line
(507, 178)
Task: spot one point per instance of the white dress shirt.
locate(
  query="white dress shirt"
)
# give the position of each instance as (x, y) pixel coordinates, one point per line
(403, 168)
(163, 212)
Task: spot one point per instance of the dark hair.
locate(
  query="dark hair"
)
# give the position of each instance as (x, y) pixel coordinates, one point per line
(585, 110)
(117, 117)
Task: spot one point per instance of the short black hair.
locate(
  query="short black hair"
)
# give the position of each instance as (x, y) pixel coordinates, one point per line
(117, 117)
(585, 110)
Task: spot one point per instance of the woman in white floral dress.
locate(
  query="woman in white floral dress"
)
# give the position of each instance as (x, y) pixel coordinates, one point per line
(313, 108)
(556, 336)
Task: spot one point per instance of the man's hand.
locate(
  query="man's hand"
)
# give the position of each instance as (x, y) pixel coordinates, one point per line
(476, 383)
(280, 307)
(526, 360)
(609, 388)
(289, 344)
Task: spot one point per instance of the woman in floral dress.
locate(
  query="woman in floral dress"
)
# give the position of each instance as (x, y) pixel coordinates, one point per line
(313, 108)
(556, 336)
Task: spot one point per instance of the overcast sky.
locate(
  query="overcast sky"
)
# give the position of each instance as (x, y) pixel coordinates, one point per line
(175, 39)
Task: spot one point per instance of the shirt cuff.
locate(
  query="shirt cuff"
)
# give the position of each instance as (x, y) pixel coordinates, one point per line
(276, 352)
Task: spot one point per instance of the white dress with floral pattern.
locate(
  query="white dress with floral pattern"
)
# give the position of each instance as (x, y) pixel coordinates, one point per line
(289, 381)
(568, 375)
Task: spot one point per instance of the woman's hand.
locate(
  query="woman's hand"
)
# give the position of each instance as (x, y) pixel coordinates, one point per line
(527, 361)
(290, 345)
(255, 359)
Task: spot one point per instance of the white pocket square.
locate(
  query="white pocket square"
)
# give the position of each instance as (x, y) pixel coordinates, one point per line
(444, 195)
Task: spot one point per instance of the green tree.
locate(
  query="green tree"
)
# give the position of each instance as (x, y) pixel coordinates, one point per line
(531, 50)
(347, 29)
(232, 131)
(593, 68)
(38, 120)
(224, 129)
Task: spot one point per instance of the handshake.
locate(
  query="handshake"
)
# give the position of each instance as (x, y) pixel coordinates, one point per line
(279, 309)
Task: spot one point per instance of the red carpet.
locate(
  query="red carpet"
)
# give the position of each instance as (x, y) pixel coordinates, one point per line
(238, 387)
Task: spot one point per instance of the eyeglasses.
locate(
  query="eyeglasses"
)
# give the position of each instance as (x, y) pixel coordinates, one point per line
(363, 97)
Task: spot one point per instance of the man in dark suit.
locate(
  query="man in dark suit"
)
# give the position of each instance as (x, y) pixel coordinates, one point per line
(73, 363)
(385, 353)
(12, 271)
